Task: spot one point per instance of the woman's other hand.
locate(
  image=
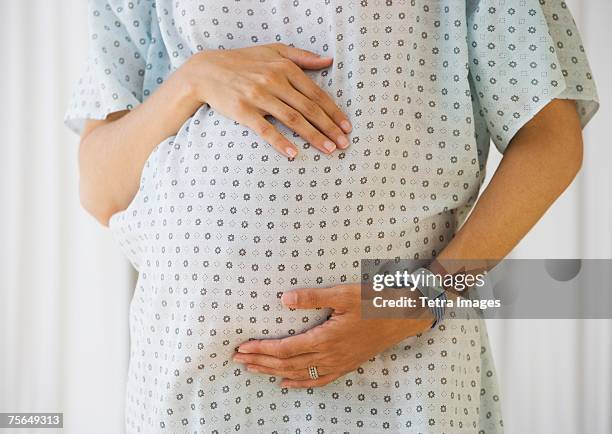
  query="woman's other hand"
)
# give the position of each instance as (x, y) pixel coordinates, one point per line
(336, 347)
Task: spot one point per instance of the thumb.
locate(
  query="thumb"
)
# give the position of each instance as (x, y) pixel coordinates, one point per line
(303, 58)
(311, 298)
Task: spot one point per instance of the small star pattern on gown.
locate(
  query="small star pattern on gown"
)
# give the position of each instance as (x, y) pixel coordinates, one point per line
(222, 224)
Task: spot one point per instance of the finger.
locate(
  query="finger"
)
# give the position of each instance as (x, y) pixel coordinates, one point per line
(298, 374)
(300, 384)
(302, 361)
(315, 114)
(303, 58)
(337, 297)
(280, 348)
(298, 123)
(312, 91)
(270, 134)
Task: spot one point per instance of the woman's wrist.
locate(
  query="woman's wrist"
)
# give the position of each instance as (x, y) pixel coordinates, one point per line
(430, 285)
(192, 80)
(184, 90)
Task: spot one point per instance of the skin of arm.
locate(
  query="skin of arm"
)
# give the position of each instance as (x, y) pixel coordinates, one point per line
(112, 152)
(538, 165)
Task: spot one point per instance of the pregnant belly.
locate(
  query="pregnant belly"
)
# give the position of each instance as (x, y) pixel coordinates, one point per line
(222, 225)
(213, 313)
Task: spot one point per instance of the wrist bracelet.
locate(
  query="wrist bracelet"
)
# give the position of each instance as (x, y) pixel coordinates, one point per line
(432, 292)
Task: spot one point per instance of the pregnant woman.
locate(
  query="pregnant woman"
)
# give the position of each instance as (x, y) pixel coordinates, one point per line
(247, 154)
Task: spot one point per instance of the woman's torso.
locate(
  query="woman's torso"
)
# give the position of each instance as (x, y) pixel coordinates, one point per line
(222, 224)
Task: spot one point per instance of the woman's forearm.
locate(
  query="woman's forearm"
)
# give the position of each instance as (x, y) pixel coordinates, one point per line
(112, 152)
(541, 161)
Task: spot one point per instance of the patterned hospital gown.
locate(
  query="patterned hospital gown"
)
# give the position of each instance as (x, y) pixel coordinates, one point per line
(222, 224)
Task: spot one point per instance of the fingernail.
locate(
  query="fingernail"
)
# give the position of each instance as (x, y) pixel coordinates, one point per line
(342, 142)
(346, 126)
(289, 298)
(291, 152)
(329, 146)
(242, 350)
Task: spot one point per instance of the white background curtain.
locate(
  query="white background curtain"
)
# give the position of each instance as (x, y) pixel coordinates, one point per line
(65, 286)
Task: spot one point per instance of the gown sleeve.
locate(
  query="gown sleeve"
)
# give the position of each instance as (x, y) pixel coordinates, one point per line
(522, 55)
(112, 76)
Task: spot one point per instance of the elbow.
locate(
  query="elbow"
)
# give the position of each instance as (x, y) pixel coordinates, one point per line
(95, 183)
(91, 197)
(577, 166)
(91, 202)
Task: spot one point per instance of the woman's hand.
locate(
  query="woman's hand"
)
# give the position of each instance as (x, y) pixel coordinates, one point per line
(336, 347)
(247, 84)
